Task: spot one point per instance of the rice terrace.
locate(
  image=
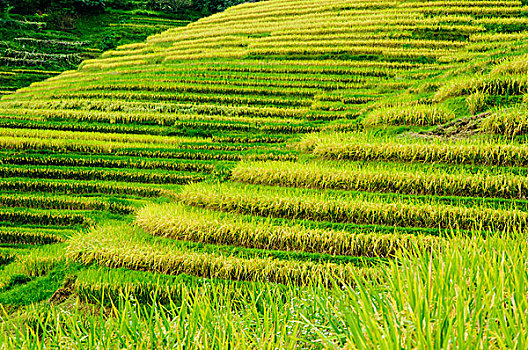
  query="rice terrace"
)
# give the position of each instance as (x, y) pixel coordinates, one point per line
(276, 174)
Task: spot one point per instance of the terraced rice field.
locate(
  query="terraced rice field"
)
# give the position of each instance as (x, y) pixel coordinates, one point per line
(291, 142)
(31, 51)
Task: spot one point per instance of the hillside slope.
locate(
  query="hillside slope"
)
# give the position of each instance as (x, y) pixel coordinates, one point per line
(34, 49)
(302, 62)
(212, 117)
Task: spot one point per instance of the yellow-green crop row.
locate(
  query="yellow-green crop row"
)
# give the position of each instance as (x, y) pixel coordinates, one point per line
(346, 146)
(478, 10)
(509, 122)
(294, 10)
(46, 218)
(492, 84)
(104, 246)
(37, 262)
(107, 147)
(226, 99)
(184, 112)
(78, 173)
(70, 145)
(107, 162)
(96, 136)
(223, 73)
(517, 65)
(335, 67)
(9, 235)
(106, 285)
(460, 24)
(394, 18)
(381, 178)
(463, 3)
(412, 114)
(306, 205)
(80, 187)
(317, 21)
(358, 42)
(206, 89)
(354, 50)
(184, 223)
(88, 109)
(305, 68)
(129, 81)
(89, 65)
(208, 155)
(42, 201)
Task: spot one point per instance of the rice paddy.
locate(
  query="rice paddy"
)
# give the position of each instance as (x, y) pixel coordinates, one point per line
(283, 174)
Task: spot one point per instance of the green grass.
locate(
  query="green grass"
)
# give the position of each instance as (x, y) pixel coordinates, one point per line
(33, 290)
(427, 297)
